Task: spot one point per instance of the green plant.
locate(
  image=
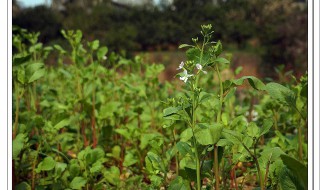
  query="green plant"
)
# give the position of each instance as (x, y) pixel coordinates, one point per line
(96, 120)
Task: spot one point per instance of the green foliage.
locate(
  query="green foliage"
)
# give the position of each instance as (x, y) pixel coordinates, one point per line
(208, 134)
(103, 122)
(179, 183)
(297, 174)
(77, 183)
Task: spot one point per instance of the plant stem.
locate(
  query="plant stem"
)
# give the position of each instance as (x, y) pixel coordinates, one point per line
(93, 117)
(33, 168)
(194, 138)
(15, 125)
(258, 166)
(254, 156)
(300, 143)
(197, 163)
(177, 154)
(216, 167)
(267, 171)
(216, 161)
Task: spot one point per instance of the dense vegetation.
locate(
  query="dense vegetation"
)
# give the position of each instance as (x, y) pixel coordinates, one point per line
(276, 30)
(106, 122)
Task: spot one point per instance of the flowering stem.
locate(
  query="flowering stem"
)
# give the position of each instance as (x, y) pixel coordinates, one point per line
(193, 127)
(216, 162)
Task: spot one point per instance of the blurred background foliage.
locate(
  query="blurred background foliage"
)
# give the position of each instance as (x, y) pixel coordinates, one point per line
(272, 32)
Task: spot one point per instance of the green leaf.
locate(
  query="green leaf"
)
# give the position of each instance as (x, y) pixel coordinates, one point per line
(156, 161)
(102, 52)
(184, 148)
(96, 167)
(186, 135)
(146, 138)
(253, 81)
(224, 142)
(225, 118)
(112, 175)
(123, 132)
(20, 58)
(221, 60)
(281, 93)
(304, 91)
(298, 169)
(22, 186)
(95, 155)
(193, 54)
(289, 181)
(116, 151)
(233, 136)
(95, 45)
(17, 145)
(156, 180)
(253, 130)
(21, 76)
(59, 169)
(185, 45)
(207, 134)
(204, 97)
(270, 154)
(170, 111)
(108, 110)
(35, 47)
(78, 183)
(247, 141)
(239, 123)
(59, 48)
(74, 168)
(267, 124)
(218, 48)
(62, 123)
(37, 75)
(191, 171)
(129, 160)
(78, 36)
(207, 167)
(230, 94)
(34, 71)
(46, 165)
(238, 70)
(179, 184)
(171, 152)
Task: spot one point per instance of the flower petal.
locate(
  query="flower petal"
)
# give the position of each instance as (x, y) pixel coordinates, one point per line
(199, 67)
(181, 65)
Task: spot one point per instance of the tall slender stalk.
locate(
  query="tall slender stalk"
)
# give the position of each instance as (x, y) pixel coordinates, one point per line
(300, 142)
(93, 116)
(34, 167)
(195, 143)
(216, 161)
(194, 138)
(194, 87)
(15, 125)
(258, 167)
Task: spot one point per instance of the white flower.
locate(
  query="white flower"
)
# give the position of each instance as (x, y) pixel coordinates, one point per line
(181, 65)
(199, 67)
(185, 76)
(104, 57)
